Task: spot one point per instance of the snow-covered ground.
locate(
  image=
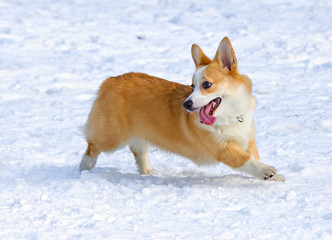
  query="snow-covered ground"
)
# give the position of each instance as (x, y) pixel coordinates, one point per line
(55, 54)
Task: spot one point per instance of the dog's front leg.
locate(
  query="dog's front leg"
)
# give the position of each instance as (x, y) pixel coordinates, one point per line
(232, 155)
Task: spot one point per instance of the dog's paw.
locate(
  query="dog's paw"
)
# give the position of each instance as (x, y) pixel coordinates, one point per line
(270, 173)
(261, 171)
(267, 172)
(87, 163)
(146, 170)
(277, 178)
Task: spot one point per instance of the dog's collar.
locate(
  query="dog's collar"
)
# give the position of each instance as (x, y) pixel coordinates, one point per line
(240, 118)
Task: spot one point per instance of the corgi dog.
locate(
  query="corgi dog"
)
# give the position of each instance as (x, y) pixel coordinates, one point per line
(209, 122)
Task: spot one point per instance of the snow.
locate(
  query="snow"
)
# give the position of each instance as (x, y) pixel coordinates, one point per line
(55, 54)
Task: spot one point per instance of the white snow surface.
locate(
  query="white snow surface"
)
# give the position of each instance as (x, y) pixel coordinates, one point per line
(55, 54)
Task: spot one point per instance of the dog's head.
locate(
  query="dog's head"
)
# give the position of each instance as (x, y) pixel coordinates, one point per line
(220, 94)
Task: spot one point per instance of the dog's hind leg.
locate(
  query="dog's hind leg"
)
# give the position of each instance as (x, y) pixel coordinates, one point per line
(140, 149)
(89, 159)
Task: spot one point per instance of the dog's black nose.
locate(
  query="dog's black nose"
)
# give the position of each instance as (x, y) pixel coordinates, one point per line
(188, 105)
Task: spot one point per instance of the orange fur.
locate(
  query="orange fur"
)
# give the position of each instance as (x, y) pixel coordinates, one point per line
(135, 108)
(138, 105)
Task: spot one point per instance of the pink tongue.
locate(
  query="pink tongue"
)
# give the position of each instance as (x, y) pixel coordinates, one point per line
(204, 115)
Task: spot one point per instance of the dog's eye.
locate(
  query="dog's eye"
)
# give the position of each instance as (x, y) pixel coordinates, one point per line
(192, 86)
(206, 85)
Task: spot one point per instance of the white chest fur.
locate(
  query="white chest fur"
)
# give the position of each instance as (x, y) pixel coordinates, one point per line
(239, 132)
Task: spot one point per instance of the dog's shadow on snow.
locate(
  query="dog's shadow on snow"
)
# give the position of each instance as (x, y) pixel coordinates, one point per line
(116, 176)
(178, 179)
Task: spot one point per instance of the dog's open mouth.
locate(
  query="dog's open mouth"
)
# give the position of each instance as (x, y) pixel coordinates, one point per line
(206, 112)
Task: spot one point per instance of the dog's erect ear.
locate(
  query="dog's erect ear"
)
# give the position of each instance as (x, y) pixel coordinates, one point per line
(199, 57)
(225, 55)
